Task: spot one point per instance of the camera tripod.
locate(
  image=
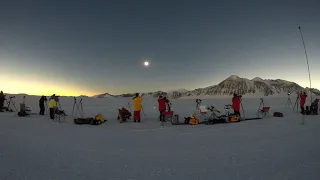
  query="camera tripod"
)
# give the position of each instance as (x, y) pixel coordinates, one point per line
(79, 107)
(227, 108)
(296, 104)
(244, 117)
(289, 103)
(261, 105)
(11, 104)
(198, 103)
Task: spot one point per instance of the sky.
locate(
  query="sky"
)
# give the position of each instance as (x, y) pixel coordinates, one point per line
(92, 47)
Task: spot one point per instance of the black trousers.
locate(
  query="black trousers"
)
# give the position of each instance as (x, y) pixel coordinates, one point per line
(51, 113)
(161, 116)
(42, 109)
(302, 109)
(236, 113)
(1, 106)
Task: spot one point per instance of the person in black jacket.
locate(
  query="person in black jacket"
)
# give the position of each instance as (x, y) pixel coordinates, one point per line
(2, 99)
(42, 100)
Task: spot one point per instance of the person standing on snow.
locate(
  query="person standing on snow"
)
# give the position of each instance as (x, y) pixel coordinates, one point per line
(2, 99)
(161, 107)
(303, 97)
(41, 104)
(236, 104)
(52, 105)
(136, 101)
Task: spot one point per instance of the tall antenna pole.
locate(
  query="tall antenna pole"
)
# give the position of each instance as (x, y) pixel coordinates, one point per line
(305, 51)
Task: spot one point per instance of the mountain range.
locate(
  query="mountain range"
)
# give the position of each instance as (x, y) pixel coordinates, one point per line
(233, 84)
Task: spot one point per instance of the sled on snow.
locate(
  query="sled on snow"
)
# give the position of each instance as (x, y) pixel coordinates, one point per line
(92, 121)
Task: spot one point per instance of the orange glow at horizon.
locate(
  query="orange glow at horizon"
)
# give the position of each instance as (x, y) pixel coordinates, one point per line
(42, 88)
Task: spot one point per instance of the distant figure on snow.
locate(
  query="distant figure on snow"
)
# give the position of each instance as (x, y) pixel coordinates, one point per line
(161, 107)
(42, 100)
(2, 99)
(52, 105)
(236, 104)
(303, 97)
(136, 101)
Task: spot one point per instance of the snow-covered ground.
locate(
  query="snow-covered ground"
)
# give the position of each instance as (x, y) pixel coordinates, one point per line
(272, 148)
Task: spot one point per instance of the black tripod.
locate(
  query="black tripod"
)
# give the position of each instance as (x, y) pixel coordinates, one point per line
(11, 104)
(79, 107)
(198, 103)
(243, 117)
(261, 105)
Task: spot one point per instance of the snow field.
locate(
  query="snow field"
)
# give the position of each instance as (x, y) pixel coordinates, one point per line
(273, 148)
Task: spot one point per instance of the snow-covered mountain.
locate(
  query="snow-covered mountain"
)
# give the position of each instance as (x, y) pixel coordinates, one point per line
(256, 86)
(105, 95)
(172, 94)
(233, 84)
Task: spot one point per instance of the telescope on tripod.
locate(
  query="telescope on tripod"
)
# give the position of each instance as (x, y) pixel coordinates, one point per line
(11, 105)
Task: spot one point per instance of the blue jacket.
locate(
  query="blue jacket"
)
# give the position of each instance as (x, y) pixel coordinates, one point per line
(55, 98)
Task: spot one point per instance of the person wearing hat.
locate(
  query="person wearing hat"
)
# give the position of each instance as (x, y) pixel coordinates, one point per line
(136, 101)
(42, 100)
(52, 105)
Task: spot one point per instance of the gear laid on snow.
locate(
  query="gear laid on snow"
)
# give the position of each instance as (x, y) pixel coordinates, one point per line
(97, 120)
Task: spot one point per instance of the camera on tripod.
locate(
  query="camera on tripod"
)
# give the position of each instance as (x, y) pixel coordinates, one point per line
(167, 101)
(238, 95)
(228, 106)
(212, 109)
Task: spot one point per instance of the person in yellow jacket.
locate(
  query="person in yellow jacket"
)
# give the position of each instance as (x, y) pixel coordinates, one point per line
(52, 105)
(136, 101)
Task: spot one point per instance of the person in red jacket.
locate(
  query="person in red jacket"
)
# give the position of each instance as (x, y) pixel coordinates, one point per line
(303, 97)
(236, 104)
(161, 106)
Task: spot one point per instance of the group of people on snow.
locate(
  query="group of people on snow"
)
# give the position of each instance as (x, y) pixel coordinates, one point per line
(163, 105)
(313, 109)
(53, 100)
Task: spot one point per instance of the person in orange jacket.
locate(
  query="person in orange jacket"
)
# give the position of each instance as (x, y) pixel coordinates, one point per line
(136, 101)
(236, 104)
(303, 97)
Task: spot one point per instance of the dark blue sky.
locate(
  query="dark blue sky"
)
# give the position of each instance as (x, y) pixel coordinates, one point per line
(88, 47)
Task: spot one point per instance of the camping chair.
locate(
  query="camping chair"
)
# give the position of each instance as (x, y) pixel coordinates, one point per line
(264, 111)
(59, 114)
(167, 116)
(203, 110)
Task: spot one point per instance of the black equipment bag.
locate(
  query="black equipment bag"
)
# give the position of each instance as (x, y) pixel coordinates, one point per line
(84, 121)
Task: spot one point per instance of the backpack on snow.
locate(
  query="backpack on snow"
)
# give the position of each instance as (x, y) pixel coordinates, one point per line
(277, 114)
